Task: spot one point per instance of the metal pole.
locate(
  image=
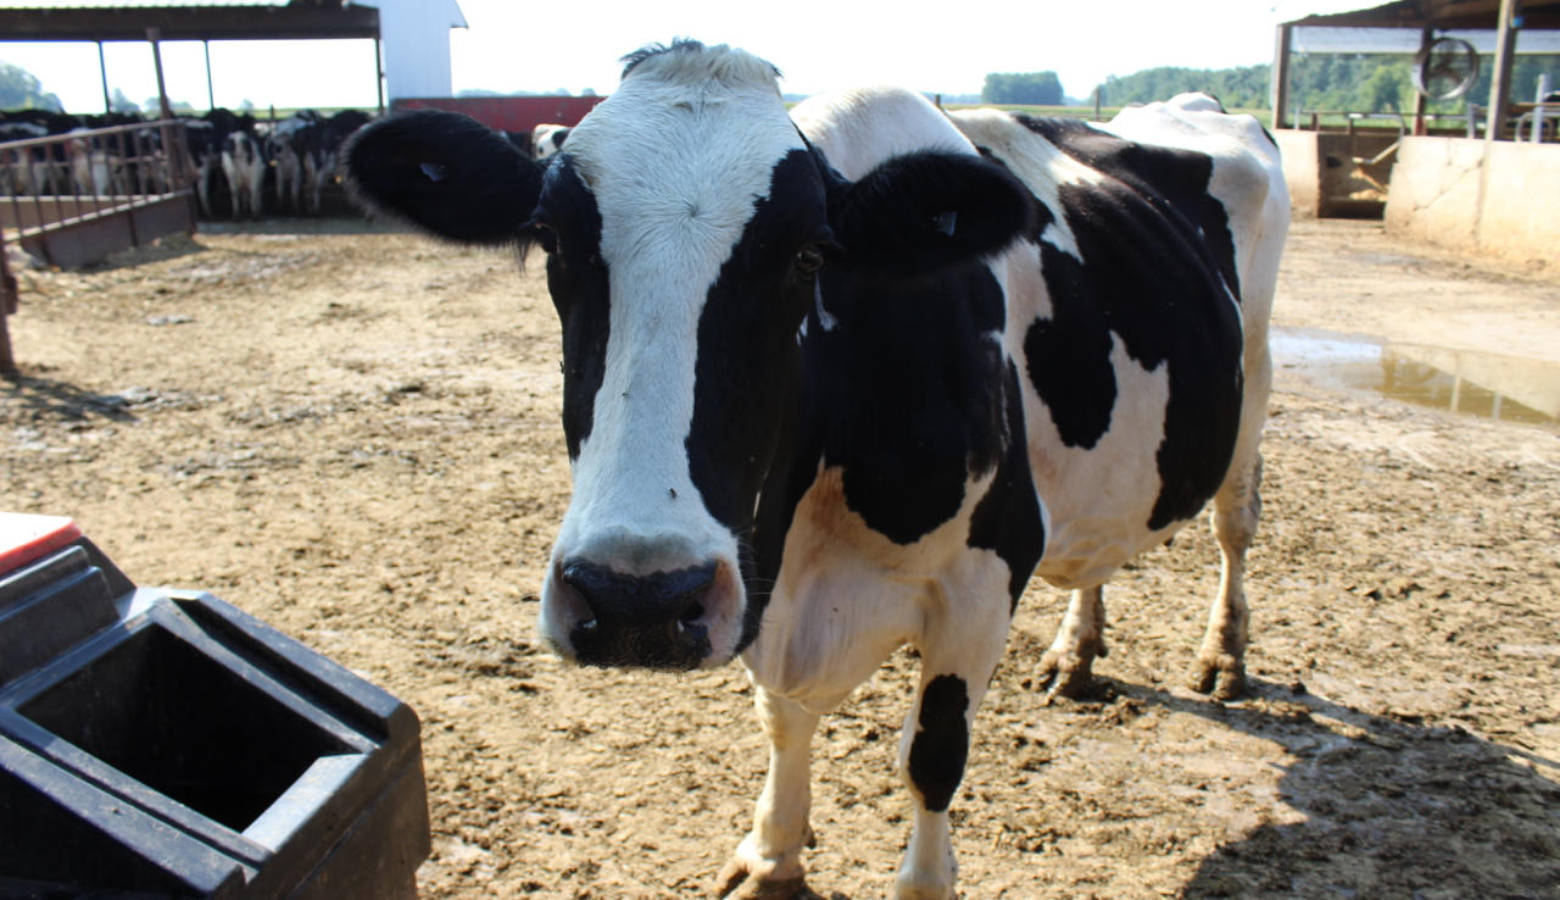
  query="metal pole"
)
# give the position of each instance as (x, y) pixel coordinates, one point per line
(1425, 37)
(1500, 88)
(211, 94)
(379, 75)
(153, 35)
(108, 105)
(1538, 107)
(1280, 86)
(7, 308)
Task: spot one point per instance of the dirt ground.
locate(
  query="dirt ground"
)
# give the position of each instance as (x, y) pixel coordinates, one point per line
(354, 436)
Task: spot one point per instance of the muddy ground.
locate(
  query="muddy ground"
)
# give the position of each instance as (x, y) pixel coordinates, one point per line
(354, 436)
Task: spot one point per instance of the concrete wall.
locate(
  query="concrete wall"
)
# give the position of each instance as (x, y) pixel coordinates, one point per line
(1491, 198)
(1302, 170)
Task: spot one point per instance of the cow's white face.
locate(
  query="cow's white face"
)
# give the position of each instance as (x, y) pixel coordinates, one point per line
(685, 217)
(685, 222)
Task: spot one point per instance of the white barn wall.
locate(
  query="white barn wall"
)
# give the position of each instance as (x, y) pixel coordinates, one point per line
(415, 43)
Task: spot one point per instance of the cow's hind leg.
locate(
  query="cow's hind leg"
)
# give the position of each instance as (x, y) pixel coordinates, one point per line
(960, 647)
(1220, 667)
(1066, 667)
(768, 862)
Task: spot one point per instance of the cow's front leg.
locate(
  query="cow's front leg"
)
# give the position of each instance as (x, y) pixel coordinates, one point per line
(959, 652)
(1067, 666)
(768, 862)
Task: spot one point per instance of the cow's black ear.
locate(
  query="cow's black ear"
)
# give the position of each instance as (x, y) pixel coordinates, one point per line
(445, 173)
(923, 211)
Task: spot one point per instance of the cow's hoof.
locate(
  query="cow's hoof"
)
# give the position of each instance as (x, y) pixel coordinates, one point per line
(910, 888)
(1067, 675)
(1219, 676)
(737, 883)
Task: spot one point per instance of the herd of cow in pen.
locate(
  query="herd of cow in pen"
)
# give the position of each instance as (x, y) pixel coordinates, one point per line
(240, 166)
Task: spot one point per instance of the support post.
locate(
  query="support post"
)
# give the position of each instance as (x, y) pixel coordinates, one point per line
(379, 74)
(1425, 37)
(153, 35)
(108, 104)
(7, 308)
(1539, 109)
(1279, 89)
(211, 91)
(1505, 50)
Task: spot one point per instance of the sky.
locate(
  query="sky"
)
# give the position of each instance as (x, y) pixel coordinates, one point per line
(819, 45)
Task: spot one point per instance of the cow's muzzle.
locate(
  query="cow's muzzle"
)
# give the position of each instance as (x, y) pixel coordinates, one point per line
(658, 621)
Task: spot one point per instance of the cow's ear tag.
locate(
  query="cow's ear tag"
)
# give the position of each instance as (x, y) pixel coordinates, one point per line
(435, 171)
(946, 222)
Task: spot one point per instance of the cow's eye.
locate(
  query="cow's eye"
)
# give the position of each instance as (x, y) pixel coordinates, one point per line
(809, 260)
(544, 235)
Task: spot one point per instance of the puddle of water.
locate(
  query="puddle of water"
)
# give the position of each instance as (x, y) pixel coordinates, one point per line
(1490, 385)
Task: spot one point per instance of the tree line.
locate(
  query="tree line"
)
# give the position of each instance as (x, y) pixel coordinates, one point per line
(1357, 82)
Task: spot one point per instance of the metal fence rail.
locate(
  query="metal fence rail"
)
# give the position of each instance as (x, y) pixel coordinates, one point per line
(75, 197)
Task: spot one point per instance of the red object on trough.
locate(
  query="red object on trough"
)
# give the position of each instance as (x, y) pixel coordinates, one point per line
(509, 113)
(24, 538)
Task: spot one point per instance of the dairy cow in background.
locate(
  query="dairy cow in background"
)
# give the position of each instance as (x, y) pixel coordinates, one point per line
(843, 379)
(333, 133)
(303, 150)
(28, 172)
(547, 139)
(287, 145)
(245, 167)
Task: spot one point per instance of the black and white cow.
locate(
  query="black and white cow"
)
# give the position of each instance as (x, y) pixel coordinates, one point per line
(836, 382)
(547, 139)
(287, 145)
(244, 164)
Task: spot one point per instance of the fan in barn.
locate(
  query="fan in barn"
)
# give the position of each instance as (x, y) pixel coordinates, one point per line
(1444, 69)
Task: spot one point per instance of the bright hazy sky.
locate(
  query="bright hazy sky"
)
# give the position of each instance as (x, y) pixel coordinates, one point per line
(516, 45)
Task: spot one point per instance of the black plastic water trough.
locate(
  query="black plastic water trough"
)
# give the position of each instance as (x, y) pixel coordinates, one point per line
(159, 742)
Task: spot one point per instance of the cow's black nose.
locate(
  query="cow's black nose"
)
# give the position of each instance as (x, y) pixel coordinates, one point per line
(655, 620)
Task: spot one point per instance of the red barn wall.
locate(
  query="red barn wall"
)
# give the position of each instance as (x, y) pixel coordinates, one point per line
(509, 113)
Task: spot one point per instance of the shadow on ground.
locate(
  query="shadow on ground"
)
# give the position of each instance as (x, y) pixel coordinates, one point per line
(1395, 808)
(33, 398)
(340, 224)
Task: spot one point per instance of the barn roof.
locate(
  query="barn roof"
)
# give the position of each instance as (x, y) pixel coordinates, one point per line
(180, 20)
(1438, 14)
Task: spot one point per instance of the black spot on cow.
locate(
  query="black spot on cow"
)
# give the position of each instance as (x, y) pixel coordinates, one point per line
(748, 362)
(901, 387)
(1158, 272)
(942, 742)
(1007, 520)
(570, 229)
(1171, 181)
(747, 378)
(908, 388)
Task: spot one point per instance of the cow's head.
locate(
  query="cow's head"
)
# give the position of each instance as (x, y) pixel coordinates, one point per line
(684, 223)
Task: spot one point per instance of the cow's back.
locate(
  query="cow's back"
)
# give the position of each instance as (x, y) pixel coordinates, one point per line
(1137, 311)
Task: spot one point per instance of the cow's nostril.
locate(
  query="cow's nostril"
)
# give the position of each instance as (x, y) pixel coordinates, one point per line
(693, 613)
